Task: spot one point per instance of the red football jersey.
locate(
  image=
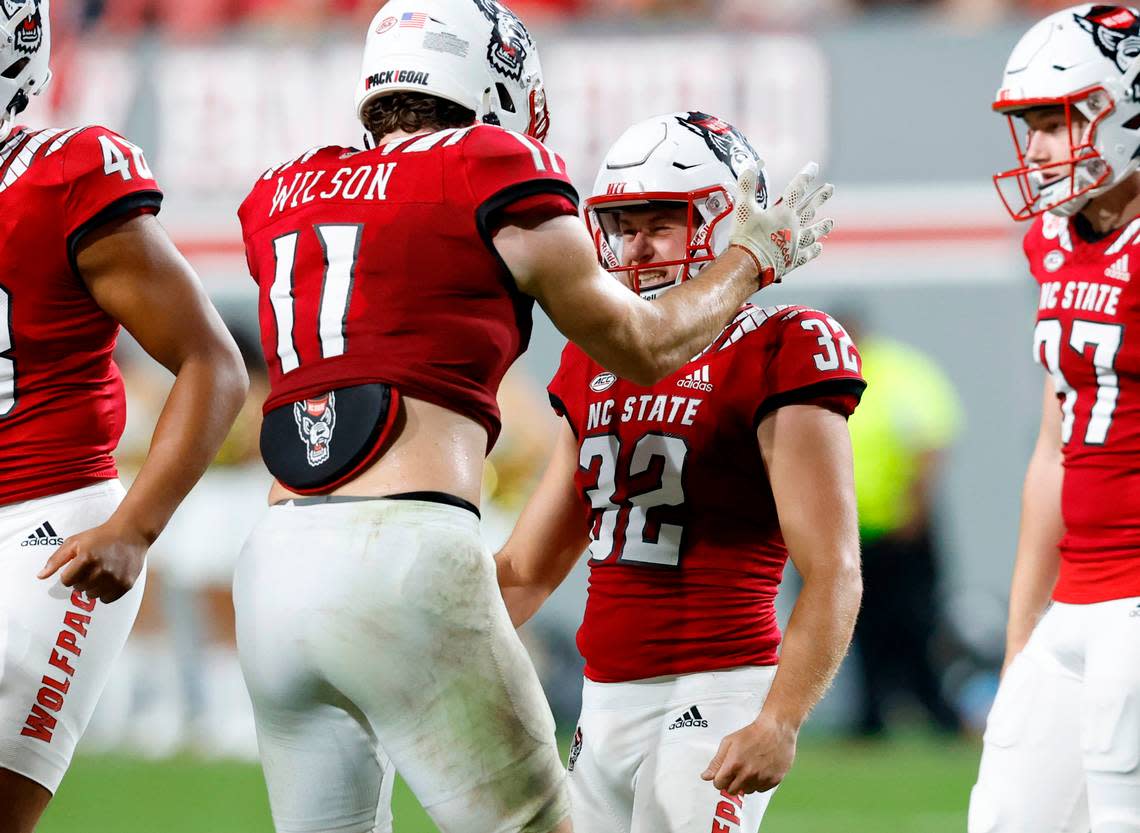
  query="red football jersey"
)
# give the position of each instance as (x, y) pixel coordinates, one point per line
(686, 553)
(1087, 338)
(61, 397)
(377, 266)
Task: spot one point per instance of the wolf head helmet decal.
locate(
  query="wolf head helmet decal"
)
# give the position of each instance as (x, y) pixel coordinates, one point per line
(510, 41)
(1116, 32)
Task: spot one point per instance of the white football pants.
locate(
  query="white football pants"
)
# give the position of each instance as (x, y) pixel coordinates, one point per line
(1062, 743)
(373, 638)
(57, 648)
(640, 748)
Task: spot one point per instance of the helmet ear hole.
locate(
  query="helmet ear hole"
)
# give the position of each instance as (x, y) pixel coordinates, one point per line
(1133, 123)
(505, 100)
(15, 69)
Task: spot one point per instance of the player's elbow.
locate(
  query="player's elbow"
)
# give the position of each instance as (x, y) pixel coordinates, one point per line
(228, 377)
(840, 574)
(846, 577)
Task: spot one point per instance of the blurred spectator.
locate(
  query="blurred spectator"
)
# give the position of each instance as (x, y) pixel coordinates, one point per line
(909, 416)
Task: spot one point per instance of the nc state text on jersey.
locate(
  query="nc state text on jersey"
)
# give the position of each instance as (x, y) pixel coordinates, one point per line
(648, 408)
(1080, 295)
(364, 182)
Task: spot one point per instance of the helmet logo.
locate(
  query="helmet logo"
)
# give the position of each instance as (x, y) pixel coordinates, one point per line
(30, 33)
(510, 41)
(1115, 32)
(728, 145)
(385, 24)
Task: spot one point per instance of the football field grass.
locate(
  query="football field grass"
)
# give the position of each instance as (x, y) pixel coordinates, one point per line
(914, 785)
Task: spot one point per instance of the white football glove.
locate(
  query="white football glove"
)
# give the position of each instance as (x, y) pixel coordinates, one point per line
(780, 237)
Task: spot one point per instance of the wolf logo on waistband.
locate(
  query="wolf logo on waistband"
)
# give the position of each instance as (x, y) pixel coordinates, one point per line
(316, 419)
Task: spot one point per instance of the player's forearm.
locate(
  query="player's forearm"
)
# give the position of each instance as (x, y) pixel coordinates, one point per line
(1038, 558)
(670, 330)
(523, 602)
(523, 594)
(817, 637)
(209, 389)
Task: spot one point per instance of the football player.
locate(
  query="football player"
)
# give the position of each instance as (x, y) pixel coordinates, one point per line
(396, 286)
(1062, 743)
(81, 253)
(691, 493)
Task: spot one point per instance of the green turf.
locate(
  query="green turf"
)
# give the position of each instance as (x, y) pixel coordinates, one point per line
(916, 785)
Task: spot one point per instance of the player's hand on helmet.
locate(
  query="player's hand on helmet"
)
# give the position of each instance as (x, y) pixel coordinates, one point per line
(783, 236)
(753, 759)
(103, 562)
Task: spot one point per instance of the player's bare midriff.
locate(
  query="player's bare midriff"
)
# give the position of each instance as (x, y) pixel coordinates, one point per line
(432, 450)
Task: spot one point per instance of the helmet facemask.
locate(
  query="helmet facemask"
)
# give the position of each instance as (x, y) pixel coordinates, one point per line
(1030, 190)
(705, 209)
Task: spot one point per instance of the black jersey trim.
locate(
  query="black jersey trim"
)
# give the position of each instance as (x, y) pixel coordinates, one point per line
(523, 303)
(560, 408)
(818, 390)
(512, 194)
(119, 208)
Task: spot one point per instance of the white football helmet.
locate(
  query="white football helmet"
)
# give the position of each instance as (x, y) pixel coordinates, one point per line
(476, 53)
(692, 159)
(1085, 58)
(25, 44)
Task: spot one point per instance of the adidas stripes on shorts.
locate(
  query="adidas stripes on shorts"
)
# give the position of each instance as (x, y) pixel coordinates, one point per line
(637, 756)
(373, 638)
(57, 648)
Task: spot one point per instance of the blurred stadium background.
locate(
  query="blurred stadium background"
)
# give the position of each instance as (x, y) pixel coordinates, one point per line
(891, 97)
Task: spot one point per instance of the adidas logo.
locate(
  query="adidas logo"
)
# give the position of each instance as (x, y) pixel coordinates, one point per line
(698, 379)
(690, 718)
(43, 536)
(1119, 269)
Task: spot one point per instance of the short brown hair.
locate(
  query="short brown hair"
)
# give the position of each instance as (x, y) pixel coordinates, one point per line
(410, 112)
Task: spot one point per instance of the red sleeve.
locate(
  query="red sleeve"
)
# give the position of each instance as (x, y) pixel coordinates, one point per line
(504, 168)
(814, 361)
(106, 178)
(532, 210)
